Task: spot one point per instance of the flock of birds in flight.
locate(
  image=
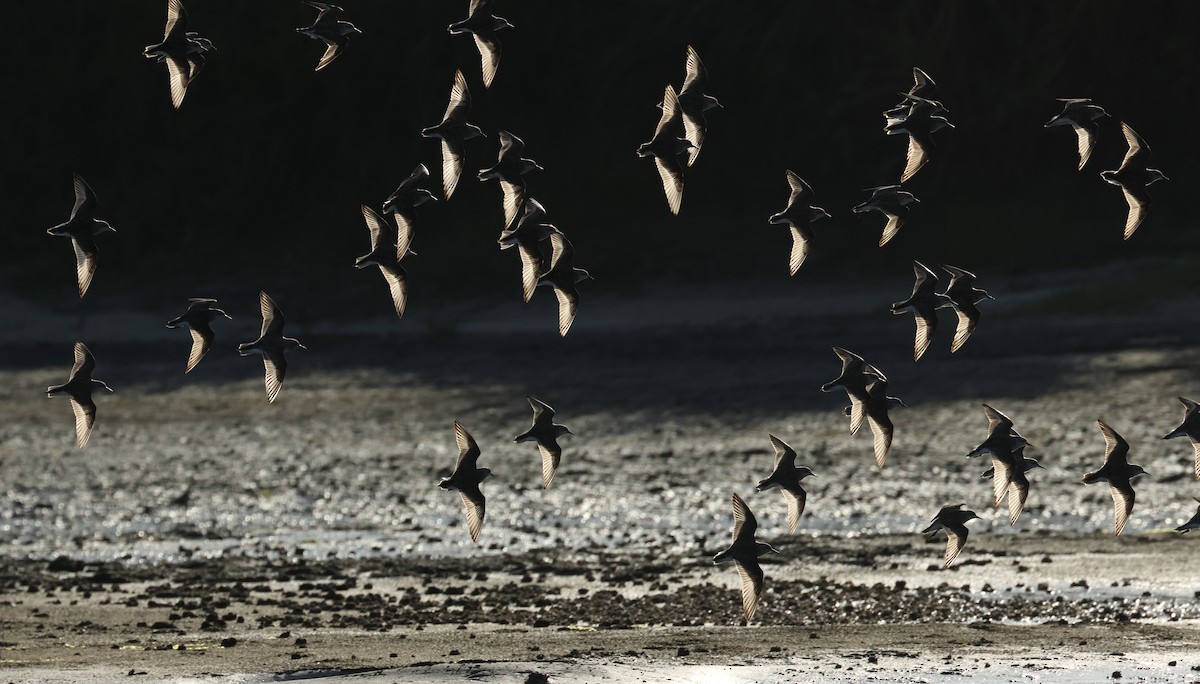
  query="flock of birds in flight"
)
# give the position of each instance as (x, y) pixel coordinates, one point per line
(674, 147)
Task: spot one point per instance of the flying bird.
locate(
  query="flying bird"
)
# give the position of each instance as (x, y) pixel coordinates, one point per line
(1001, 442)
(853, 379)
(198, 318)
(799, 216)
(694, 102)
(666, 146)
(924, 118)
(1193, 523)
(962, 296)
(527, 235)
(1190, 428)
(331, 29)
(452, 131)
(563, 277)
(80, 387)
(953, 520)
(1084, 117)
(1018, 486)
(402, 205)
(923, 86)
(271, 345)
(184, 52)
(466, 478)
(510, 169)
(1133, 177)
(384, 255)
(1117, 472)
(923, 304)
(892, 202)
(83, 227)
(546, 433)
(878, 403)
(482, 25)
(744, 552)
(786, 476)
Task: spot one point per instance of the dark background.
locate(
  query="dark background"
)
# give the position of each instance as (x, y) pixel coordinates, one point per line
(256, 180)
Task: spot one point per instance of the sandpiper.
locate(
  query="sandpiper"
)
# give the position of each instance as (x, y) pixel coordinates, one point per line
(1018, 486)
(563, 277)
(923, 304)
(329, 28)
(482, 25)
(184, 52)
(452, 131)
(923, 119)
(1084, 117)
(402, 203)
(530, 230)
(384, 255)
(546, 433)
(666, 146)
(1133, 177)
(80, 387)
(892, 202)
(952, 519)
(83, 227)
(878, 404)
(1002, 439)
(271, 345)
(198, 318)
(466, 478)
(1190, 428)
(744, 551)
(923, 86)
(1117, 472)
(694, 102)
(786, 477)
(799, 215)
(510, 169)
(962, 295)
(853, 379)
(1193, 523)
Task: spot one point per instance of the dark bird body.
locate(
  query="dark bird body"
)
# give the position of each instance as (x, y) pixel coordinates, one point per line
(1002, 441)
(892, 202)
(786, 476)
(1190, 428)
(1084, 118)
(1117, 472)
(877, 406)
(79, 388)
(694, 102)
(744, 551)
(962, 296)
(510, 169)
(527, 235)
(923, 304)
(665, 148)
(1193, 523)
(83, 227)
(953, 520)
(853, 379)
(1018, 481)
(183, 51)
(402, 205)
(1133, 177)
(563, 277)
(799, 215)
(546, 433)
(482, 25)
(453, 131)
(331, 29)
(385, 248)
(466, 478)
(198, 318)
(271, 345)
(923, 118)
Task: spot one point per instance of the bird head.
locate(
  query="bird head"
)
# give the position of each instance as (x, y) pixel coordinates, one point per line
(582, 275)
(560, 430)
(102, 384)
(803, 472)
(1155, 176)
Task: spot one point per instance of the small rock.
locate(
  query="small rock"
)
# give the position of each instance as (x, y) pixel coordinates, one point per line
(228, 642)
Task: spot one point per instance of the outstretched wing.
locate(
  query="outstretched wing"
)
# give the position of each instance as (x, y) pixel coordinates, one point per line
(85, 418)
(752, 586)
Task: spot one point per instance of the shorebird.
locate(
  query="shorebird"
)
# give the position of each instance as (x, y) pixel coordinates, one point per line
(923, 86)
(744, 551)
(546, 434)
(694, 102)
(952, 519)
(1018, 486)
(528, 233)
(923, 304)
(666, 146)
(271, 345)
(1001, 441)
(786, 477)
(853, 379)
(183, 51)
(452, 131)
(892, 202)
(1193, 523)
(385, 254)
(799, 216)
(1117, 472)
(878, 404)
(402, 203)
(1133, 177)
(962, 296)
(482, 25)
(1190, 428)
(198, 318)
(329, 28)
(1084, 117)
(563, 277)
(466, 478)
(924, 118)
(80, 387)
(510, 169)
(83, 227)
